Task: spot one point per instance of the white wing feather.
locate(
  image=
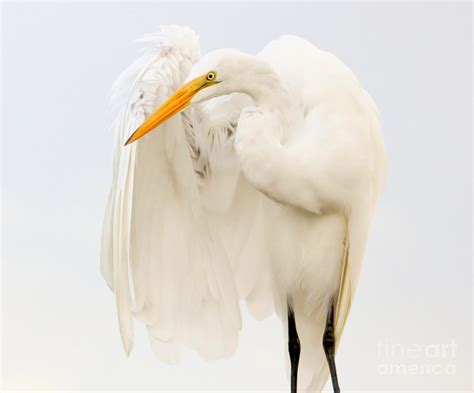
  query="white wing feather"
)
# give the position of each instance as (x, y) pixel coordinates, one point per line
(166, 264)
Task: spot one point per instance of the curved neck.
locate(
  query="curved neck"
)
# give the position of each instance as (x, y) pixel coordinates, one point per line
(269, 93)
(265, 87)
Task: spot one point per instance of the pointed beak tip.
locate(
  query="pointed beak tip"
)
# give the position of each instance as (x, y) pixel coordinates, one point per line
(129, 140)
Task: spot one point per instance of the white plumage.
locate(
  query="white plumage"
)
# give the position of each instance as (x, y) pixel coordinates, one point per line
(263, 194)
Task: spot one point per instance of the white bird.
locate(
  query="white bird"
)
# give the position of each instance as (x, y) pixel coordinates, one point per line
(262, 189)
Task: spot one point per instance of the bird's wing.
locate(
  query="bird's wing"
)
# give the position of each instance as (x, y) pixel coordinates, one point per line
(337, 160)
(360, 215)
(348, 158)
(162, 253)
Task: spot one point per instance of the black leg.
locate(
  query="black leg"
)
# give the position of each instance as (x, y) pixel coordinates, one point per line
(294, 347)
(329, 344)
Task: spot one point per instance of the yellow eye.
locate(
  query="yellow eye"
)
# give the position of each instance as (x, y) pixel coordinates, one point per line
(211, 76)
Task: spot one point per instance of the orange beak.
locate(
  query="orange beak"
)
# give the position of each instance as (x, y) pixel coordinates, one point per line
(178, 102)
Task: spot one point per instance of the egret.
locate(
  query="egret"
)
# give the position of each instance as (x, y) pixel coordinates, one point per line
(259, 185)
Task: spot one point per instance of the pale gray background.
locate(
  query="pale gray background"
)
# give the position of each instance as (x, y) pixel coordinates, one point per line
(59, 322)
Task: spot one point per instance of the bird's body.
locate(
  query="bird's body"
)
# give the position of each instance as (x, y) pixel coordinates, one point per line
(264, 195)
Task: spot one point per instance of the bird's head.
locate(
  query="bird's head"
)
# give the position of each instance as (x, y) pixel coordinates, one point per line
(218, 73)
